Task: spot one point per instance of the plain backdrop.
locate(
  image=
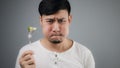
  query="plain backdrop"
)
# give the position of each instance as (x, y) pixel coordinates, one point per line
(95, 24)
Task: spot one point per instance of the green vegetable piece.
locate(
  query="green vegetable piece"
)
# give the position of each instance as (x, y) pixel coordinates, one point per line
(31, 29)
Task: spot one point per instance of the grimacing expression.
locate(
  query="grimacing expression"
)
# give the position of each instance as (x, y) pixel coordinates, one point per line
(55, 27)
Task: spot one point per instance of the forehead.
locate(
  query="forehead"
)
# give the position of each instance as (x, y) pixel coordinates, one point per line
(59, 14)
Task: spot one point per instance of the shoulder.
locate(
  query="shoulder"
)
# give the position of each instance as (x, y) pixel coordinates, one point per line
(83, 52)
(81, 48)
(31, 46)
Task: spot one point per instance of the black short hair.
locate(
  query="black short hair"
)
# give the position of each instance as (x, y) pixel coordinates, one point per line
(48, 7)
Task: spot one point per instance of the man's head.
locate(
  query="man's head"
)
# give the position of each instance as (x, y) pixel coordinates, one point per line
(55, 19)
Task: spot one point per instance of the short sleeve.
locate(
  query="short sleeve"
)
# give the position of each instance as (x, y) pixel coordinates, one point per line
(90, 63)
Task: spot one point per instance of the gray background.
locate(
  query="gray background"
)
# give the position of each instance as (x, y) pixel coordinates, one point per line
(95, 24)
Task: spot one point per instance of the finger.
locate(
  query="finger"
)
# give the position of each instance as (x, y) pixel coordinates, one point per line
(27, 52)
(27, 60)
(30, 61)
(27, 57)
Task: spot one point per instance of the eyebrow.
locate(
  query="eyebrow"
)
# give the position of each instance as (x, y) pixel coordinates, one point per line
(61, 18)
(49, 19)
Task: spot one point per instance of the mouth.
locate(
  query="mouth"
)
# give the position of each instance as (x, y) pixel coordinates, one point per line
(55, 38)
(56, 35)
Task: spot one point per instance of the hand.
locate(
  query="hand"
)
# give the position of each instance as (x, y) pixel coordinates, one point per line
(27, 60)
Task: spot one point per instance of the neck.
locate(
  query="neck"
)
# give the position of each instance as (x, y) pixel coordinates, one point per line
(61, 47)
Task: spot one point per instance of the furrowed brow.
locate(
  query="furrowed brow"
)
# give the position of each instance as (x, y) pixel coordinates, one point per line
(61, 18)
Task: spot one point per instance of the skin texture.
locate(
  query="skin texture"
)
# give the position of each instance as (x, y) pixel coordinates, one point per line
(55, 28)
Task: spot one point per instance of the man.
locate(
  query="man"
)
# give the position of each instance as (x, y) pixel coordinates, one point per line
(55, 49)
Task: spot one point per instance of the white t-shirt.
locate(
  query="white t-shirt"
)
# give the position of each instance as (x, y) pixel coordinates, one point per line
(78, 56)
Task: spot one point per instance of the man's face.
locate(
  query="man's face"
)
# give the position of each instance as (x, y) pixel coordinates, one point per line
(55, 27)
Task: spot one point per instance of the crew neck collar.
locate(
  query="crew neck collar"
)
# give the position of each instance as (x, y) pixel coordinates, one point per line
(48, 51)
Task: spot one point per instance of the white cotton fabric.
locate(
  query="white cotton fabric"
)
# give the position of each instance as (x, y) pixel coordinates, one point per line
(78, 56)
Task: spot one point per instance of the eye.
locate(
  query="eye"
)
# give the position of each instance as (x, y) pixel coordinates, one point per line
(50, 21)
(61, 21)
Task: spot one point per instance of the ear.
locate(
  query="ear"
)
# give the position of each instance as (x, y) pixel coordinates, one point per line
(40, 18)
(70, 19)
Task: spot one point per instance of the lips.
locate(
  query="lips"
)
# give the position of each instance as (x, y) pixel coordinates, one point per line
(55, 35)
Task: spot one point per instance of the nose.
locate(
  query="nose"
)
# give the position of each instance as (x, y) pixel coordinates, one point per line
(56, 27)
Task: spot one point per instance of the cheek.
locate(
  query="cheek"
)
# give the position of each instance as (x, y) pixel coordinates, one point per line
(46, 30)
(65, 30)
